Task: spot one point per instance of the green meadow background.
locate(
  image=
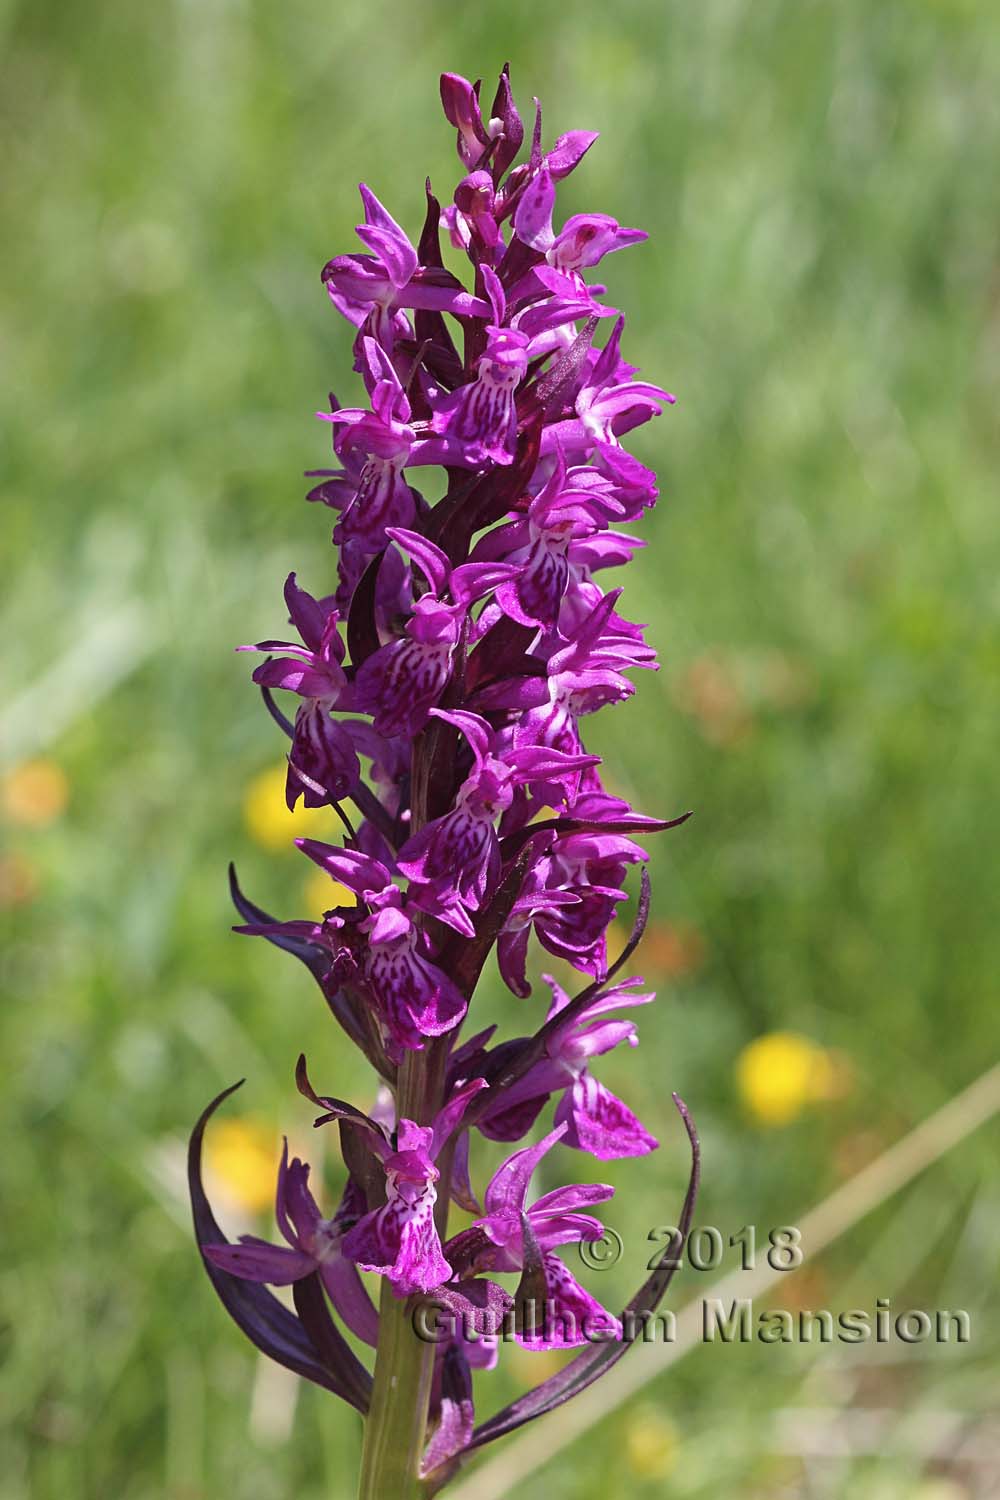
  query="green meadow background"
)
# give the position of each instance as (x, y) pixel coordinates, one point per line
(821, 290)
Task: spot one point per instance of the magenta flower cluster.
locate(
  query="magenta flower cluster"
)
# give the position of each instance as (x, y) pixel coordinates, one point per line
(440, 693)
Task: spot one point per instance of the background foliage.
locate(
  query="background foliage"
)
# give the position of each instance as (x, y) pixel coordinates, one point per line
(821, 290)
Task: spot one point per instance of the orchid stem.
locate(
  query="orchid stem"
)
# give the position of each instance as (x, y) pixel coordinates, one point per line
(396, 1425)
(394, 1430)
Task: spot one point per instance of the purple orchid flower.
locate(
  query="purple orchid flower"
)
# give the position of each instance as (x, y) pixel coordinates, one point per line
(545, 546)
(592, 866)
(609, 404)
(569, 900)
(563, 158)
(375, 447)
(550, 320)
(584, 239)
(453, 863)
(414, 999)
(400, 1240)
(461, 107)
(500, 136)
(587, 672)
(595, 1120)
(401, 682)
(497, 1242)
(383, 440)
(451, 1414)
(480, 420)
(471, 220)
(314, 1244)
(370, 290)
(321, 748)
(536, 907)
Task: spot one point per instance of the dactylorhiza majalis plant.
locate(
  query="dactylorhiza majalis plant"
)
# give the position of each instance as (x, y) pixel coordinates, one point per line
(440, 693)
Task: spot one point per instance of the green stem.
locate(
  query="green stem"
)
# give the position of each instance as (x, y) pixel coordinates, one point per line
(404, 1364)
(396, 1426)
(394, 1431)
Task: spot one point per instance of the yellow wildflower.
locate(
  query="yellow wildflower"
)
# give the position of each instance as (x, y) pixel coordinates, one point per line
(243, 1154)
(268, 819)
(781, 1073)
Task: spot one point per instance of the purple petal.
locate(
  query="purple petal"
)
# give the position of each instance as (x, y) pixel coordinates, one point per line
(401, 682)
(254, 1260)
(509, 1185)
(429, 558)
(456, 1418)
(382, 234)
(475, 728)
(447, 1120)
(461, 1185)
(565, 1229)
(418, 1000)
(533, 215)
(350, 1297)
(295, 1207)
(592, 1363)
(461, 108)
(265, 1321)
(575, 1195)
(569, 150)
(511, 1122)
(359, 872)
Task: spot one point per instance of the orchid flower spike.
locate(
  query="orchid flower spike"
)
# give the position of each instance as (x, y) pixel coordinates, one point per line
(435, 693)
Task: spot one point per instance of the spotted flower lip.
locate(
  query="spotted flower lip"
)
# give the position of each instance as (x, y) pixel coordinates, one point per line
(402, 681)
(413, 998)
(499, 1241)
(466, 836)
(442, 681)
(480, 419)
(399, 1239)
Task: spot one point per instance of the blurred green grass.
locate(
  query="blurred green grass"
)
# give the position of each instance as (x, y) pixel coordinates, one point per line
(821, 291)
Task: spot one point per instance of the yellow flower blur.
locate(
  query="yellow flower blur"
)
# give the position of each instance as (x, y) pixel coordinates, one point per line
(244, 1156)
(651, 1443)
(322, 894)
(268, 820)
(34, 793)
(780, 1074)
